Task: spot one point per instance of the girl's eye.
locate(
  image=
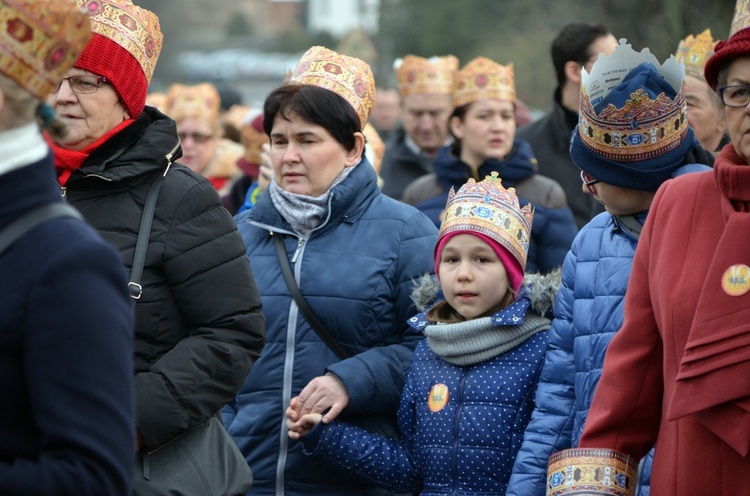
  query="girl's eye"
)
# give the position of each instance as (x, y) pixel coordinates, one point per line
(482, 260)
(451, 260)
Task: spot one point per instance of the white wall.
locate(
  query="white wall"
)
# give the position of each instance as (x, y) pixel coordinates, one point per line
(338, 17)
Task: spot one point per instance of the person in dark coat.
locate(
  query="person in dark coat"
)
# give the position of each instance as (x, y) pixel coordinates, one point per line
(353, 252)
(470, 389)
(67, 422)
(198, 321)
(575, 48)
(483, 128)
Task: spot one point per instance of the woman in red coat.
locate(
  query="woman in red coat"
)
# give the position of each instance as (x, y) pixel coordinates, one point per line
(677, 375)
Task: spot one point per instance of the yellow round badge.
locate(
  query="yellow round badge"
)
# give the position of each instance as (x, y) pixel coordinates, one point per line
(736, 280)
(438, 397)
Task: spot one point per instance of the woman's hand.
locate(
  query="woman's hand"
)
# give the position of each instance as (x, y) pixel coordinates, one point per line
(298, 428)
(325, 395)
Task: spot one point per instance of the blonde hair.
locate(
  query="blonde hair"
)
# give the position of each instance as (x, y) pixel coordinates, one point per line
(24, 108)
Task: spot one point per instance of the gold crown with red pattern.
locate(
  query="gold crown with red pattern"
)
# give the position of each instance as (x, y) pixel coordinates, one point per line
(694, 51)
(39, 41)
(484, 78)
(135, 29)
(419, 76)
(488, 208)
(741, 19)
(201, 101)
(348, 77)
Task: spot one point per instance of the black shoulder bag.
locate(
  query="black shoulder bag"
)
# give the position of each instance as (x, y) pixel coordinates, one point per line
(307, 312)
(16, 229)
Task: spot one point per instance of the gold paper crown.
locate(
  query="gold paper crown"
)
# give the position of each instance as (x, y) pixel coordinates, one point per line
(741, 18)
(483, 78)
(591, 471)
(200, 101)
(694, 52)
(135, 29)
(348, 77)
(488, 208)
(253, 139)
(643, 128)
(39, 41)
(156, 99)
(417, 75)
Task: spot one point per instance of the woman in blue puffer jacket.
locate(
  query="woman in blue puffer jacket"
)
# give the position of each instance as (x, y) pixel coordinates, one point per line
(353, 252)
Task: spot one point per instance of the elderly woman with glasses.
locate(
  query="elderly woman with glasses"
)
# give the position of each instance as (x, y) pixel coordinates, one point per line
(623, 177)
(676, 373)
(198, 322)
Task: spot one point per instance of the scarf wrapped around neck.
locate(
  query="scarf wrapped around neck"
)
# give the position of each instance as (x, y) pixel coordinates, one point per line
(713, 382)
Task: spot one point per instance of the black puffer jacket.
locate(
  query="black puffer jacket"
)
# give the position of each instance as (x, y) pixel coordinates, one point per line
(199, 325)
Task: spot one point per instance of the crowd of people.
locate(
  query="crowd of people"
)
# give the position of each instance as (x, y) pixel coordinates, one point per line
(372, 289)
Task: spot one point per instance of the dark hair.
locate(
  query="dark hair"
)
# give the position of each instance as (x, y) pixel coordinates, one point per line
(460, 112)
(443, 312)
(574, 43)
(315, 105)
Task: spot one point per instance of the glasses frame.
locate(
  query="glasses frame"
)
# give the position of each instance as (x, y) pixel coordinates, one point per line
(99, 81)
(589, 184)
(724, 88)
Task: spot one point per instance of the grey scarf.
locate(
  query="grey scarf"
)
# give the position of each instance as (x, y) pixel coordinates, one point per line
(303, 213)
(474, 341)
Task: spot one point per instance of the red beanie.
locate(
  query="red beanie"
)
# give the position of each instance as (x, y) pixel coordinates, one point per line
(512, 267)
(106, 58)
(724, 51)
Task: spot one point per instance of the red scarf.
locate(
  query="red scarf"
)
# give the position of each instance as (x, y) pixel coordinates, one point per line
(713, 382)
(68, 161)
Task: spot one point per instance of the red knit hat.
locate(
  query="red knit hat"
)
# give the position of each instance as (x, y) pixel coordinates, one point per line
(124, 48)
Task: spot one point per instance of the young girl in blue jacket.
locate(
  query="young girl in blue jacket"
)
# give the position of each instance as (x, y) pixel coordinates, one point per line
(470, 389)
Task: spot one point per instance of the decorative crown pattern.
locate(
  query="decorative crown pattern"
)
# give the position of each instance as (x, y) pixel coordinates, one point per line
(484, 78)
(643, 128)
(694, 52)
(488, 208)
(348, 77)
(201, 100)
(741, 19)
(418, 75)
(591, 471)
(135, 29)
(39, 41)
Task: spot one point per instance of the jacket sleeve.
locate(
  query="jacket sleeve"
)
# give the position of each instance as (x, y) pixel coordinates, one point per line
(372, 458)
(551, 426)
(375, 378)
(209, 275)
(78, 358)
(555, 237)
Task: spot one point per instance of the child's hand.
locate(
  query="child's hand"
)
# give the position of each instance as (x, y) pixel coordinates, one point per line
(298, 427)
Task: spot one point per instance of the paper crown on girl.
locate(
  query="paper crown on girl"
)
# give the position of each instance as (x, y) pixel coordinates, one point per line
(488, 208)
(483, 78)
(39, 41)
(638, 127)
(418, 75)
(694, 51)
(348, 77)
(737, 45)
(201, 101)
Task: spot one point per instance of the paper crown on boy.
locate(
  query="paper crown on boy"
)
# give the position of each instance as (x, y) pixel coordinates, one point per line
(418, 75)
(124, 48)
(483, 78)
(632, 128)
(39, 41)
(201, 101)
(493, 213)
(738, 43)
(694, 51)
(348, 77)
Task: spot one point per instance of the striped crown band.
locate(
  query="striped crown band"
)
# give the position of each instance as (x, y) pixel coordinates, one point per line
(348, 77)
(418, 75)
(642, 128)
(201, 100)
(741, 19)
(135, 29)
(484, 78)
(488, 208)
(39, 41)
(694, 51)
(591, 471)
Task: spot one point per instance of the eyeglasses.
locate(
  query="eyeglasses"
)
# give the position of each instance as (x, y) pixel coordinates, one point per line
(589, 182)
(196, 137)
(82, 85)
(735, 95)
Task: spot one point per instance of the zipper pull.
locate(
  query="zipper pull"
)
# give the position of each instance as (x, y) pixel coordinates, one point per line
(63, 191)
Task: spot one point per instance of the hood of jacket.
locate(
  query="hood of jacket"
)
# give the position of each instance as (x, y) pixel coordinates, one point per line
(149, 143)
(520, 164)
